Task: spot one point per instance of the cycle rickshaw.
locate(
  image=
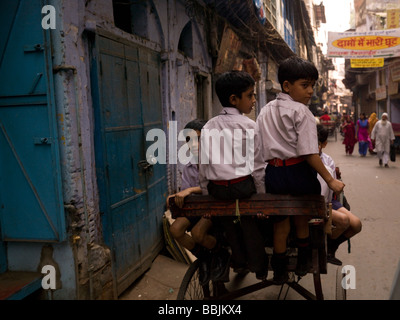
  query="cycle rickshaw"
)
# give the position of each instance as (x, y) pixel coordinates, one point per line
(320, 224)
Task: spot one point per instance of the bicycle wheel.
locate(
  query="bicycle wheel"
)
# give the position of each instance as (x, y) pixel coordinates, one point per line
(190, 288)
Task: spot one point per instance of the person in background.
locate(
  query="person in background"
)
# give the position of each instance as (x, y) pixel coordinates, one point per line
(325, 117)
(349, 132)
(383, 136)
(372, 120)
(362, 135)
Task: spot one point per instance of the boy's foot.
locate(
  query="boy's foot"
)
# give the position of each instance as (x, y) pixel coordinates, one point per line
(241, 271)
(333, 260)
(219, 270)
(380, 162)
(262, 275)
(304, 262)
(280, 277)
(204, 269)
(386, 165)
(279, 265)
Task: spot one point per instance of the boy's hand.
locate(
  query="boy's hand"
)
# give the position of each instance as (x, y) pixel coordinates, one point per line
(180, 197)
(337, 186)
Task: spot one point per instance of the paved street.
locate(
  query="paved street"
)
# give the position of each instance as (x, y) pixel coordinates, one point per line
(373, 194)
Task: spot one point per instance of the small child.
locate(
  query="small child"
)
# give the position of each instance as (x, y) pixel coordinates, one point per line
(290, 145)
(226, 174)
(199, 226)
(346, 223)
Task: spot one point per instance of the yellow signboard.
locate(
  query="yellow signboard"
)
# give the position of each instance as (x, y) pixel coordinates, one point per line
(367, 63)
(393, 18)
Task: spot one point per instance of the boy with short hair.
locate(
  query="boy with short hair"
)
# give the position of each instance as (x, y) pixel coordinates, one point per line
(290, 147)
(190, 185)
(346, 223)
(234, 168)
(200, 242)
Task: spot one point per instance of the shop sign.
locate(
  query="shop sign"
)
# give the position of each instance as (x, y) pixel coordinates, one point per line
(364, 45)
(380, 93)
(367, 63)
(228, 52)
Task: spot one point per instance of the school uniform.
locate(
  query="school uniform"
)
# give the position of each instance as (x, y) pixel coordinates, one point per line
(288, 131)
(221, 164)
(331, 167)
(229, 177)
(190, 179)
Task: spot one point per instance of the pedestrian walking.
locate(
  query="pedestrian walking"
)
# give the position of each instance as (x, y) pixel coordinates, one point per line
(383, 136)
(372, 120)
(349, 131)
(362, 135)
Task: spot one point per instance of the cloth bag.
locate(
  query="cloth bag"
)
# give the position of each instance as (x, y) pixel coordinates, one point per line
(392, 153)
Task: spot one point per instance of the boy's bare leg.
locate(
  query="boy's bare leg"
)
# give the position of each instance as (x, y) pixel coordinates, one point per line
(178, 231)
(341, 222)
(355, 224)
(301, 223)
(200, 233)
(281, 233)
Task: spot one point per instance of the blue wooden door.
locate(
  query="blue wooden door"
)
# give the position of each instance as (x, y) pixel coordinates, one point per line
(126, 95)
(31, 205)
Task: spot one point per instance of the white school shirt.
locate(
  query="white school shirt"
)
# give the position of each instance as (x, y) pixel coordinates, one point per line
(287, 129)
(331, 167)
(234, 125)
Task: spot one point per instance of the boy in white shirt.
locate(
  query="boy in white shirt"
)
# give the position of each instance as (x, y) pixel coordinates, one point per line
(346, 223)
(290, 148)
(232, 167)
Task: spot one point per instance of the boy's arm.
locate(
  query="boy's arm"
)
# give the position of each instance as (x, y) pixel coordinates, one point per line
(180, 196)
(315, 161)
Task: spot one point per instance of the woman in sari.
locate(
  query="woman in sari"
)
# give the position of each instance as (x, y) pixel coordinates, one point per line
(362, 135)
(371, 123)
(349, 131)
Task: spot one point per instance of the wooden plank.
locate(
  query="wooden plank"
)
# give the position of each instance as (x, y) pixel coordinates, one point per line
(265, 204)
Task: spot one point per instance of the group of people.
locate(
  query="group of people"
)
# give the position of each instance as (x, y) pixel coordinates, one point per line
(372, 135)
(286, 158)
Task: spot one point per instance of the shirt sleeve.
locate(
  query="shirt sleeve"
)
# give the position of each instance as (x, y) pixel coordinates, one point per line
(259, 163)
(190, 177)
(307, 138)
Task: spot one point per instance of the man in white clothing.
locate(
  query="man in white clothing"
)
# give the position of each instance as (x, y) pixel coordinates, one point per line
(383, 136)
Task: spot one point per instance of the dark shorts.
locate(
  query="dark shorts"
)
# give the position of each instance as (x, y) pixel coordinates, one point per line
(241, 190)
(336, 204)
(193, 221)
(298, 179)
